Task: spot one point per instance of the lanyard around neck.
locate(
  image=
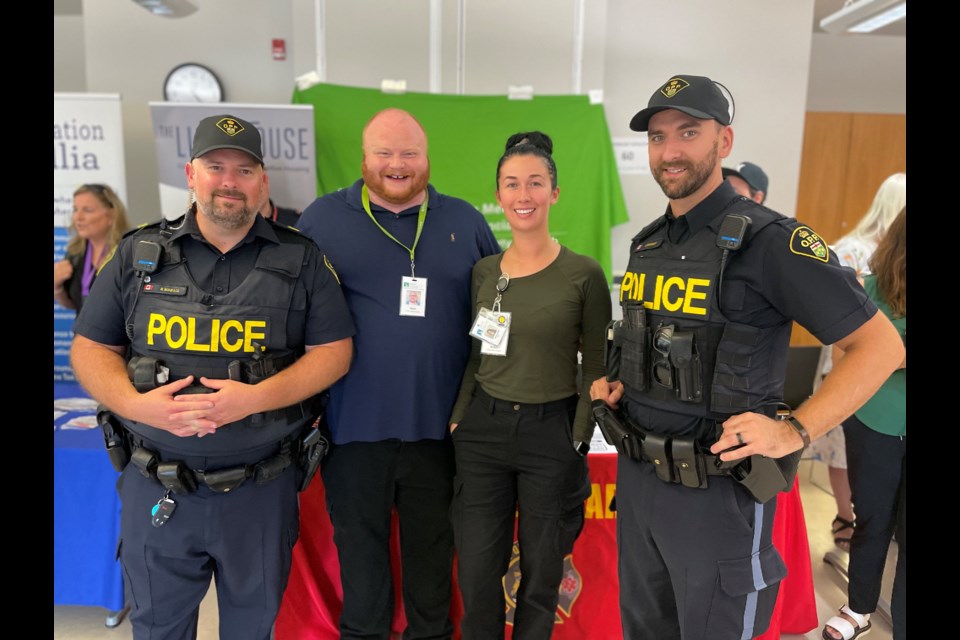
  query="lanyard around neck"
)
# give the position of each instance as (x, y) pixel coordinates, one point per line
(421, 217)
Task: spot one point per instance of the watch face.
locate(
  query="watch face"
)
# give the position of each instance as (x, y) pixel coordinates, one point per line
(192, 82)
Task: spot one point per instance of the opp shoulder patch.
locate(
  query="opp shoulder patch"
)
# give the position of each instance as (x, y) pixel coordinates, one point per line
(806, 242)
(326, 261)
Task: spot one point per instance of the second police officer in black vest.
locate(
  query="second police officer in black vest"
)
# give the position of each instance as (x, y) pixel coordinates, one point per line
(698, 364)
(209, 338)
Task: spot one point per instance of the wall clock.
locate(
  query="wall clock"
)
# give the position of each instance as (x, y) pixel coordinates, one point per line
(192, 82)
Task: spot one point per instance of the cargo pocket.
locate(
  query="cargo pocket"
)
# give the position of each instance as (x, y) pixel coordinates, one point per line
(749, 591)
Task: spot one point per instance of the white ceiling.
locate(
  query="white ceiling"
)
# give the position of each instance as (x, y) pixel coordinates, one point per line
(821, 9)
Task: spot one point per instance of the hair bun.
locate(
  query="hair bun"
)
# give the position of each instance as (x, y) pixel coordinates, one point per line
(534, 138)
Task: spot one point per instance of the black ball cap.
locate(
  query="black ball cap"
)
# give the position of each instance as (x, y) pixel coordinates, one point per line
(226, 132)
(698, 96)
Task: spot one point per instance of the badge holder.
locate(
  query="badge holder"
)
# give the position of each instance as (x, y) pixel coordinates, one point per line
(492, 326)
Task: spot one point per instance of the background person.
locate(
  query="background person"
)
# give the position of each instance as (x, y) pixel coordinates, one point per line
(876, 441)
(389, 414)
(854, 250)
(702, 367)
(99, 221)
(748, 180)
(210, 489)
(521, 426)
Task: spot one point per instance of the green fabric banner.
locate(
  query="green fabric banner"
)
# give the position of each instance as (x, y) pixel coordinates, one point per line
(466, 136)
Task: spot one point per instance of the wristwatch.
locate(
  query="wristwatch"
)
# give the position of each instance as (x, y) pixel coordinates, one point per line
(799, 428)
(581, 447)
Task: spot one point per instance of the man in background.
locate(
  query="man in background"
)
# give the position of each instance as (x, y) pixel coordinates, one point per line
(748, 180)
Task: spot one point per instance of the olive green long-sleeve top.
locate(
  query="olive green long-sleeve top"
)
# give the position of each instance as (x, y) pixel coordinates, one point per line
(556, 312)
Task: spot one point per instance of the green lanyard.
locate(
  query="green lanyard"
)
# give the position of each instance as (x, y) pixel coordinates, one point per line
(421, 217)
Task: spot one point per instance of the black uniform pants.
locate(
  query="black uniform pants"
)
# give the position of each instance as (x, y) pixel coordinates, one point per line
(510, 458)
(243, 539)
(363, 482)
(877, 466)
(696, 564)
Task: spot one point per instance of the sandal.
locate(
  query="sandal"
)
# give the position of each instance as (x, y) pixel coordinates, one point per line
(846, 630)
(842, 541)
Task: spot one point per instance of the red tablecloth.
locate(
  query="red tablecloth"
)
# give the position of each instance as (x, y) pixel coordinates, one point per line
(589, 592)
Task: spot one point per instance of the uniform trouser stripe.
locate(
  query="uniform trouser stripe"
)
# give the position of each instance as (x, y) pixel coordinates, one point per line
(750, 610)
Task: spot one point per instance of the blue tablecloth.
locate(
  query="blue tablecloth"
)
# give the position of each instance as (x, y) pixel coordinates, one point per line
(86, 509)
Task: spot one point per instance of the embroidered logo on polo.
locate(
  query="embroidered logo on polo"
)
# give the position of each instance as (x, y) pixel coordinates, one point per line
(674, 86)
(570, 586)
(230, 126)
(806, 242)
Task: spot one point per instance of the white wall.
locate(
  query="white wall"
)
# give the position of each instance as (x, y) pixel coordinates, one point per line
(858, 73)
(764, 52)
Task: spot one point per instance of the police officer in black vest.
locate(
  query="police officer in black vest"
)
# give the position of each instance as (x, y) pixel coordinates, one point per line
(208, 338)
(697, 366)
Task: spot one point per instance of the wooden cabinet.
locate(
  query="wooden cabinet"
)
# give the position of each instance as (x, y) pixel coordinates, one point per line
(846, 156)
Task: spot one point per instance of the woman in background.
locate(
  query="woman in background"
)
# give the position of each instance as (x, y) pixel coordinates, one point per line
(99, 221)
(876, 441)
(520, 431)
(854, 251)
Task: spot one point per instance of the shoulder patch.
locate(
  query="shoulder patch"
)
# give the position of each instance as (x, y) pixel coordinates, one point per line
(326, 261)
(806, 242)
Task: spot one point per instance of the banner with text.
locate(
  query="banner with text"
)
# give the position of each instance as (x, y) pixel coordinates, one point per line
(288, 153)
(87, 148)
(466, 136)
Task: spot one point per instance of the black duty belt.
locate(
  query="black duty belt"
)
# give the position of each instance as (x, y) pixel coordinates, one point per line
(178, 477)
(509, 406)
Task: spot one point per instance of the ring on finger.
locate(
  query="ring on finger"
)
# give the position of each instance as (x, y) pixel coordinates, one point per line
(740, 439)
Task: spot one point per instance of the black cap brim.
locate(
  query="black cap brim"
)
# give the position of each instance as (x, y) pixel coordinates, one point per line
(641, 121)
(227, 146)
(727, 172)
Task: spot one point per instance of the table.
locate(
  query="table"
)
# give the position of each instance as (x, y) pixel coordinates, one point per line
(589, 592)
(86, 508)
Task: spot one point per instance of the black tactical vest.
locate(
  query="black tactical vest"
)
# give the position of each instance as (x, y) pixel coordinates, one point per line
(196, 333)
(727, 363)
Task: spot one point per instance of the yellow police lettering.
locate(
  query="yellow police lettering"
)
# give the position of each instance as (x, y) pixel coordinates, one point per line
(693, 294)
(156, 325)
(192, 336)
(249, 335)
(225, 339)
(670, 284)
(672, 293)
(190, 333)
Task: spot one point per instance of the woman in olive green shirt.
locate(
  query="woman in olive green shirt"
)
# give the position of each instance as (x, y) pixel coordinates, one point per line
(521, 425)
(876, 438)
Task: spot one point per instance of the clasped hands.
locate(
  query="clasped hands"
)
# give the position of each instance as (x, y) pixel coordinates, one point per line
(197, 414)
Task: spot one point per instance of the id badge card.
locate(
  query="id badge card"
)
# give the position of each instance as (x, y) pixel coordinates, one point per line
(487, 328)
(413, 297)
(502, 320)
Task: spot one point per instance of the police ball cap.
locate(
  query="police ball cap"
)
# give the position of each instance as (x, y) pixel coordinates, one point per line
(698, 96)
(226, 132)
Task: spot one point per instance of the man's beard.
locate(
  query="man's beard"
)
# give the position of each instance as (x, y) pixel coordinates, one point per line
(695, 177)
(378, 184)
(237, 217)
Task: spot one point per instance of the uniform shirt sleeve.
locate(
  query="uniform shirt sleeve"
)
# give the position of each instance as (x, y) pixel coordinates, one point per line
(822, 296)
(103, 318)
(328, 318)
